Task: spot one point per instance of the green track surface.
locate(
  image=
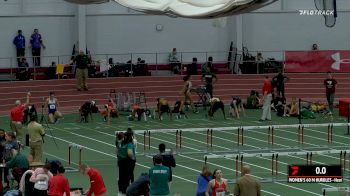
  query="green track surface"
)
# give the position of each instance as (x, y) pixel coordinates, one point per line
(98, 140)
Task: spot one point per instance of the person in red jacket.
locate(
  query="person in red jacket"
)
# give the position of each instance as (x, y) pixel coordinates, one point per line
(97, 186)
(16, 116)
(58, 185)
(267, 93)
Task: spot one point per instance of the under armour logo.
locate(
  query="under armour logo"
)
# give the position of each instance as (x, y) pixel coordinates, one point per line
(338, 61)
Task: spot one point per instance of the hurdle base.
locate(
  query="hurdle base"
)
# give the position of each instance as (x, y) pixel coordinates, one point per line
(71, 169)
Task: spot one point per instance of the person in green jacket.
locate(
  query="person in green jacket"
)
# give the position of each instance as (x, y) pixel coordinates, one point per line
(19, 164)
(159, 178)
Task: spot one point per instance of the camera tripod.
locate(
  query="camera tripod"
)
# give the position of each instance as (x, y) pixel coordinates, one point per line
(45, 124)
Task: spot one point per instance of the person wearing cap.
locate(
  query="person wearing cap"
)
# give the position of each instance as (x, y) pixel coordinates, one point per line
(16, 116)
(20, 42)
(52, 104)
(36, 133)
(159, 176)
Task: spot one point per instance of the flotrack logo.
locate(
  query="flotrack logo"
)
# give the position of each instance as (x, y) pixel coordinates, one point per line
(338, 61)
(316, 12)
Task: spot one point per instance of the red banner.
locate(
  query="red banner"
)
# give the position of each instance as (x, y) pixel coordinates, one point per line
(317, 61)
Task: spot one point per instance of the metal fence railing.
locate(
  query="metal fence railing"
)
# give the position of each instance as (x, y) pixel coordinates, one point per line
(242, 62)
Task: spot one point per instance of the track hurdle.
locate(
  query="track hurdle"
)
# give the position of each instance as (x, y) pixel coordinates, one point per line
(301, 134)
(240, 136)
(330, 134)
(146, 140)
(178, 139)
(342, 161)
(74, 146)
(209, 138)
(271, 136)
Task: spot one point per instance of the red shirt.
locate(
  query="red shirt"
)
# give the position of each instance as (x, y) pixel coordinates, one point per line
(58, 185)
(97, 186)
(17, 113)
(267, 87)
(218, 188)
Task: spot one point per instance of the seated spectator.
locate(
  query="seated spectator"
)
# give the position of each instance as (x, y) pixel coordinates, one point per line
(314, 47)
(292, 109)
(50, 72)
(19, 164)
(23, 72)
(253, 101)
(279, 104)
(41, 178)
(192, 68)
(139, 187)
(58, 184)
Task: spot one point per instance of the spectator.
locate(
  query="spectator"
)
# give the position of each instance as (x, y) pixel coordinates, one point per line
(209, 78)
(9, 144)
(314, 47)
(208, 64)
(36, 43)
(97, 186)
(16, 116)
(50, 72)
(23, 72)
(260, 62)
(20, 42)
(192, 68)
(159, 177)
(81, 62)
(168, 159)
(41, 178)
(267, 93)
(139, 187)
(59, 185)
(292, 109)
(126, 161)
(279, 81)
(36, 133)
(174, 61)
(330, 83)
(203, 180)
(217, 185)
(247, 185)
(253, 101)
(19, 164)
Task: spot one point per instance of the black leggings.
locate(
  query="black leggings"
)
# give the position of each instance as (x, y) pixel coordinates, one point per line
(126, 173)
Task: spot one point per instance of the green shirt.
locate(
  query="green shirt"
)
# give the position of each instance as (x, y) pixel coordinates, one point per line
(250, 101)
(159, 176)
(19, 161)
(123, 150)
